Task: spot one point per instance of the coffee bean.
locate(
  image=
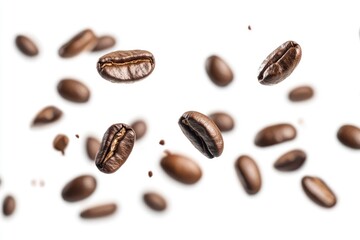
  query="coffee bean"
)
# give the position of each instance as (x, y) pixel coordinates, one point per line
(116, 146)
(9, 205)
(92, 147)
(181, 168)
(162, 142)
(279, 64)
(99, 211)
(249, 174)
(301, 93)
(218, 71)
(83, 41)
(223, 120)
(77, 135)
(47, 115)
(79, 188)
(155, 201)
(103, 43)
(202, 133)
(349, 135)
(60, 142)
(26, 46)
(290, 161)
(126, 66)
(150, 173)
(317, 190)
(140, 128)
(249, 27)
(73, 90)
(275, 134)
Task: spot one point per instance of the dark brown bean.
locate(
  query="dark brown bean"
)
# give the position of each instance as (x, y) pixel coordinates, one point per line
(155, 201)
(73, 90)
(249, 174)
(79, 188)
(162, 142)
(9, 205)
(83, 41)
(92, 147)
(203, 133)
(223, 120)
(26, 46)
(317, 190)
(301, 93)
(218, 71)
(279, 64)
(349, 135)
(275, 134)
(116, 146)
(99, 211)
(290, 161)
(181, 168)
(103, 43)
(47, 115)
(150, 174)
(126, 66)
(140, 128)
(60, 142)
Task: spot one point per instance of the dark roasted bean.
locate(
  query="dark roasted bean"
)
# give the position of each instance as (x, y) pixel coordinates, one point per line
(155, 201)
(99, 211)
(83, 41)
(103, 43)
(317, 190)
(275, 134)
(140, 128)
(79, 188)
(218, 71)
(290, 161)
(301, 93)
(249, 174)
(349, 135)
(9, 205)
(60, 142)
(223, 120)
(26, 46)
(48, 114)
(73, 90)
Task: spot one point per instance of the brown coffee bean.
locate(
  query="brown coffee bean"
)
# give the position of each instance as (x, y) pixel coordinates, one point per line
(218, 71)
(79, 188)
(26, 46)
(162, 142)
(155, 201)
(103, 43)
(349, 135)
(116, 146)
(47, 115)
(279, 64)
(275, 134)
(126, 66)
(223, 120)
(290, 161)
(249, 174)
(83, 41)
(92, 147)
(9, 205)
(73, 90)
(301, 93)
(181, 168)
(99, 211)
(60, 142)
(140, 128)
(317, 190)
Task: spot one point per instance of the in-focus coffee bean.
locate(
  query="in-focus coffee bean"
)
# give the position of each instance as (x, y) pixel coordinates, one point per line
(99, 211)
(218, 71)
(79, 188)
(223, 120)
(73, 90)
(115, 148)
(181, 168)
(155, 201)
(349, 135)
(301, 93)
(126, 66)
(26, 46)
(317, 190)
(140, 128)
(9, 205)
(249, 174)
(103, 43)
(83, 41)
(290, 161)
(92, 147)
(275, 134)
(202, 133)
(60, 142)
(279, 64)
(47, 115)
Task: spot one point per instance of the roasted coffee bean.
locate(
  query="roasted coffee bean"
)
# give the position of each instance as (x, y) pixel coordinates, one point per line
(150, 173)
(249, 27)
(155, 201)
(92, 147)
(99, 211)
(9, 205)
(83, 41)
(140, 128)
(48, 114)
(275, 134)
(79, 188)
(73, 90)
(223, 120)
(77, 135)
(317, 190)
(181, 168)
(103, 43)
(202, 133)
(301, 93)
(290, 161)
(162, 142)
(218, 71)
(60, 142)
(249, 174)
(349, 135)
(280, 63)
(26, 46)
(126, 66)
(116, 146)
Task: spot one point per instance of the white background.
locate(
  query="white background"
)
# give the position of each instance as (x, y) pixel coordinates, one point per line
(181, 35)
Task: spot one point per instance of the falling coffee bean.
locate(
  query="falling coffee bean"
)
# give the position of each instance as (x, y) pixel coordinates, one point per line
(301, 93)
(150, 174)
(99, 211)
(126, 66)
(9, 205)
(279, 64)
(203, 133)
(155, 201)
(162, 142)
(47, 115)
(92, 147)
(79, 188)
(349, 135)
(249, 174)
(73, 90)
(275, 134)
(77, 135)
(83, 41)
(103, 43)
(223, 120)
(116, 146)
(26, 46)
(218, 71)
(140, 128)
(60, 142)
(290, 161)
(317, 190)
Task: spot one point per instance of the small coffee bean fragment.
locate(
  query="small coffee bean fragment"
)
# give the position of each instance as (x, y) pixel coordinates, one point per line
(60, 142)
(155, 201)
(26, 46)
(218, 71)
(162, 142)
(83, 41)
(349, 135)
(140, 128)
(92, 147)
(275, 134)
(249, 174)
(318, 191)
(290, 161)
(79, 188)
(249, 27)
(301, 93)
(99, 211)
(47, 115)
(223, 120)
(9, 205)
(73, 90)
(103, 43)
(150, 174)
